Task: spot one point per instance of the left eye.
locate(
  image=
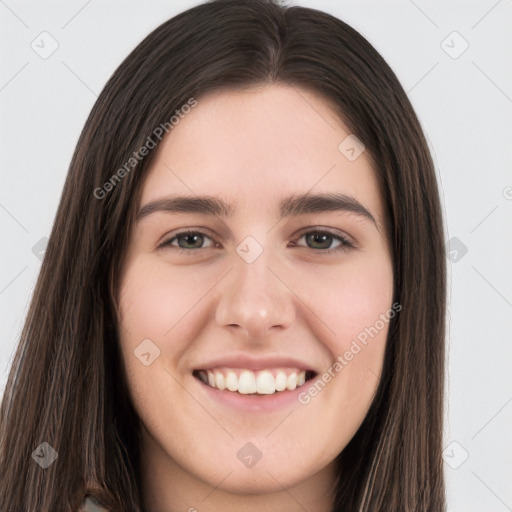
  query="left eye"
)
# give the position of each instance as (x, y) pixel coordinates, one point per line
(325, 238)
(190, 240)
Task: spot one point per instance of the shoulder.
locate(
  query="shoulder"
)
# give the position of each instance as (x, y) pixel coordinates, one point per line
(90, 504)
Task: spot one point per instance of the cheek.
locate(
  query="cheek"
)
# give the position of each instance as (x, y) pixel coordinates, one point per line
(355, 303)
(151, 304)
(153, 300)
(352, 297)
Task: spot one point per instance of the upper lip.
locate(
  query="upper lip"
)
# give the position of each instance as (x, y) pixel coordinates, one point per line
(255, 363)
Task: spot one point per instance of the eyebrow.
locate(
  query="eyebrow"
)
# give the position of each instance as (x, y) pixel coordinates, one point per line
(289, 206)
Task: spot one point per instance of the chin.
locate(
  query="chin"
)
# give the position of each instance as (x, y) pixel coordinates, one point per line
(244, 481)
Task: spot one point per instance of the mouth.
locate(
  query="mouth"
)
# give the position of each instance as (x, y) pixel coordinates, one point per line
(243, 381)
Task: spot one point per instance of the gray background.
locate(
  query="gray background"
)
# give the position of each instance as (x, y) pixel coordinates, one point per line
(464, 101)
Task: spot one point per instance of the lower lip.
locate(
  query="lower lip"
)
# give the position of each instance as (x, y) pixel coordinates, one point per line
(255, 403)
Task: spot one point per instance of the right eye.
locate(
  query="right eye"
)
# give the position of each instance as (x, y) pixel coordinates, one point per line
(189, 238)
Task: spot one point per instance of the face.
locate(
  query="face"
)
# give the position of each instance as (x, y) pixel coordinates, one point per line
(253, 335)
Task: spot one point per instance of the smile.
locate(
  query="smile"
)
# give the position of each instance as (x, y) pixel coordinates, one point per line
(248, 382)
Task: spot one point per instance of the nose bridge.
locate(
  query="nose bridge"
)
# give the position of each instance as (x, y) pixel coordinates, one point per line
(253, 297)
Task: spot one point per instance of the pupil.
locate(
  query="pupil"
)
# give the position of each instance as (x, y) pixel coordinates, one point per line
(317, 236)
(188, 237)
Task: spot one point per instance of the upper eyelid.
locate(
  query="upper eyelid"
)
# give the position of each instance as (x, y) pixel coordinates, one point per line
(330, 231)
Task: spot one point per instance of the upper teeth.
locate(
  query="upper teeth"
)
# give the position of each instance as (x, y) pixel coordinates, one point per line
(264, 382)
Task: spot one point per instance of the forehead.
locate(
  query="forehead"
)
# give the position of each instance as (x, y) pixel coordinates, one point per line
(257, 146)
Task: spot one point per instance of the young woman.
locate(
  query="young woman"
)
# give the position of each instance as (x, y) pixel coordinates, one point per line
(242, 302)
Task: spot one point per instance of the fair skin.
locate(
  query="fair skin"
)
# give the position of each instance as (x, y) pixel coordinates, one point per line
(293, 308)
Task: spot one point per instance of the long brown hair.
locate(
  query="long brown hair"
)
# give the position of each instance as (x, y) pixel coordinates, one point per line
(67, 385)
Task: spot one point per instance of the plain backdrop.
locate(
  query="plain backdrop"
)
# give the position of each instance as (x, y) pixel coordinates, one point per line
(454, 62)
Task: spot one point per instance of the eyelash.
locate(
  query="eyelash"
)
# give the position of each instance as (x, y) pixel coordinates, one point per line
(345, 243)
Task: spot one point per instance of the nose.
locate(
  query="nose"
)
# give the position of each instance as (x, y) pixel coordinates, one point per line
(255, 299)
